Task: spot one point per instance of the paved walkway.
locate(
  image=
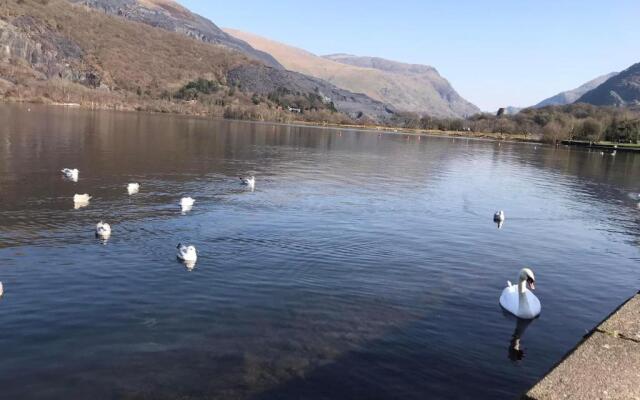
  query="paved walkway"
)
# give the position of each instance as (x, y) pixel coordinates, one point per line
(606, 365)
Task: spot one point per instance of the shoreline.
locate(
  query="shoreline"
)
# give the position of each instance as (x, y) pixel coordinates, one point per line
(491, 136)
(604, 365)
(500, 137)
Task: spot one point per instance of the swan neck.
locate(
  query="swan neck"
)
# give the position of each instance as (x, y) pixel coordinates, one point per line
(522, 286)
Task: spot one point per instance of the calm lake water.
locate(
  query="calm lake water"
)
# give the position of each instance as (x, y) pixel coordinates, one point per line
(362, 266)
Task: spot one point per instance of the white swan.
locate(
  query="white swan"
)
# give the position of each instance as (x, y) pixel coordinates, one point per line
(519, 300)
(103, 230)
(1, 289)
(71, 174)
(499, 216)
(81, 200)
(187, 254)
(133, 188)
(249, 181)
(187, 203)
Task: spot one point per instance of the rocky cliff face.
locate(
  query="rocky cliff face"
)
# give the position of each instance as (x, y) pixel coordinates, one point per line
(171, 16)
(48, 53)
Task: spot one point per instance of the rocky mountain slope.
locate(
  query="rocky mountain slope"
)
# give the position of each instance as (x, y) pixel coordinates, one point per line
(622, 89)
(58, 51)
(171, 16)
(570, 96)
(413, 88)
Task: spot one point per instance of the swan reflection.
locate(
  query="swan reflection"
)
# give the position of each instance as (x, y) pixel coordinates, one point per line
(516, 351)
(190, 265)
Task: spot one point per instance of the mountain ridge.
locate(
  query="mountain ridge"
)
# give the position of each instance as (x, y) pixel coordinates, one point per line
(622, 89)
(422, 91)
(171, 16)
(571, 96)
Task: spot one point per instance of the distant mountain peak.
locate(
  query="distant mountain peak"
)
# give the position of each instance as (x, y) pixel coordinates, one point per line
(570, 96)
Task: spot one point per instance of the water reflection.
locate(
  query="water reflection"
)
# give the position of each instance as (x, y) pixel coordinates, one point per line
(78, 204)
(190, 265)
(516, 350)
(335, 262)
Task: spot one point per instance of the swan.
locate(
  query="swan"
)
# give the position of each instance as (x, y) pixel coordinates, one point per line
(187, 254)
(81, 200)
(519, 300)
(499, 216)
(1, 289)
(133, 188)
(71, 174)
(187, 203)
(249, 181)
(103, 230)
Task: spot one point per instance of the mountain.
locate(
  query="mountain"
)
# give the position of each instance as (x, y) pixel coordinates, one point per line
(61, 51)
(622, 89)
(406, 87)
(570, 96)
(171, 16)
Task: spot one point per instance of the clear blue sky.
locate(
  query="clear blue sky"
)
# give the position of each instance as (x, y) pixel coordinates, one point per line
(495, 53)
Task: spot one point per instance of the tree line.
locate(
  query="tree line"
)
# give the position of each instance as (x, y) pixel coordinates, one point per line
(551, 124)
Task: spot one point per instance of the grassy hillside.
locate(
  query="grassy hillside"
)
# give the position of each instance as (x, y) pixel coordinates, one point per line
(56, 51)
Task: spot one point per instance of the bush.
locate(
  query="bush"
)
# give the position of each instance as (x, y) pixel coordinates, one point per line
(193, 89)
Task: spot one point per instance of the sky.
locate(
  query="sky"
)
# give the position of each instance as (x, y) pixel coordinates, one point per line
(495, 53)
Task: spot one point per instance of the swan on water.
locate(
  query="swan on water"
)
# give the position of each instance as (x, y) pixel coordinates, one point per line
(188, 254)
(187, 204)
(81, 200)
(498, 216)
(518, 299)
(103, 230)
(1, 289)
(71, 174)
(133, 188)
(249, 181)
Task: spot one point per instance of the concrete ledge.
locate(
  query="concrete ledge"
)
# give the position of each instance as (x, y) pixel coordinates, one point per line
(605, 365)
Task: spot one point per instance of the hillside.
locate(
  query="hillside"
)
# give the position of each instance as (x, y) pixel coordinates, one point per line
(171, 16)
(620, 90)
(413, 88)
(56, 51)
(570, 96)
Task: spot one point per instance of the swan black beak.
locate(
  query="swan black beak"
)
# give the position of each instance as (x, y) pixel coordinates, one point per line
(532, 284)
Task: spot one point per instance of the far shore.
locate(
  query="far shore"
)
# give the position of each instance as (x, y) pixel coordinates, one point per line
(492, 136)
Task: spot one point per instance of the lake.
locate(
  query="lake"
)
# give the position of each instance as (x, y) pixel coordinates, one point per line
(362, 266)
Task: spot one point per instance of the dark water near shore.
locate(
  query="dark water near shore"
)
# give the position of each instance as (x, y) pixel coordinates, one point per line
(362, 266)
